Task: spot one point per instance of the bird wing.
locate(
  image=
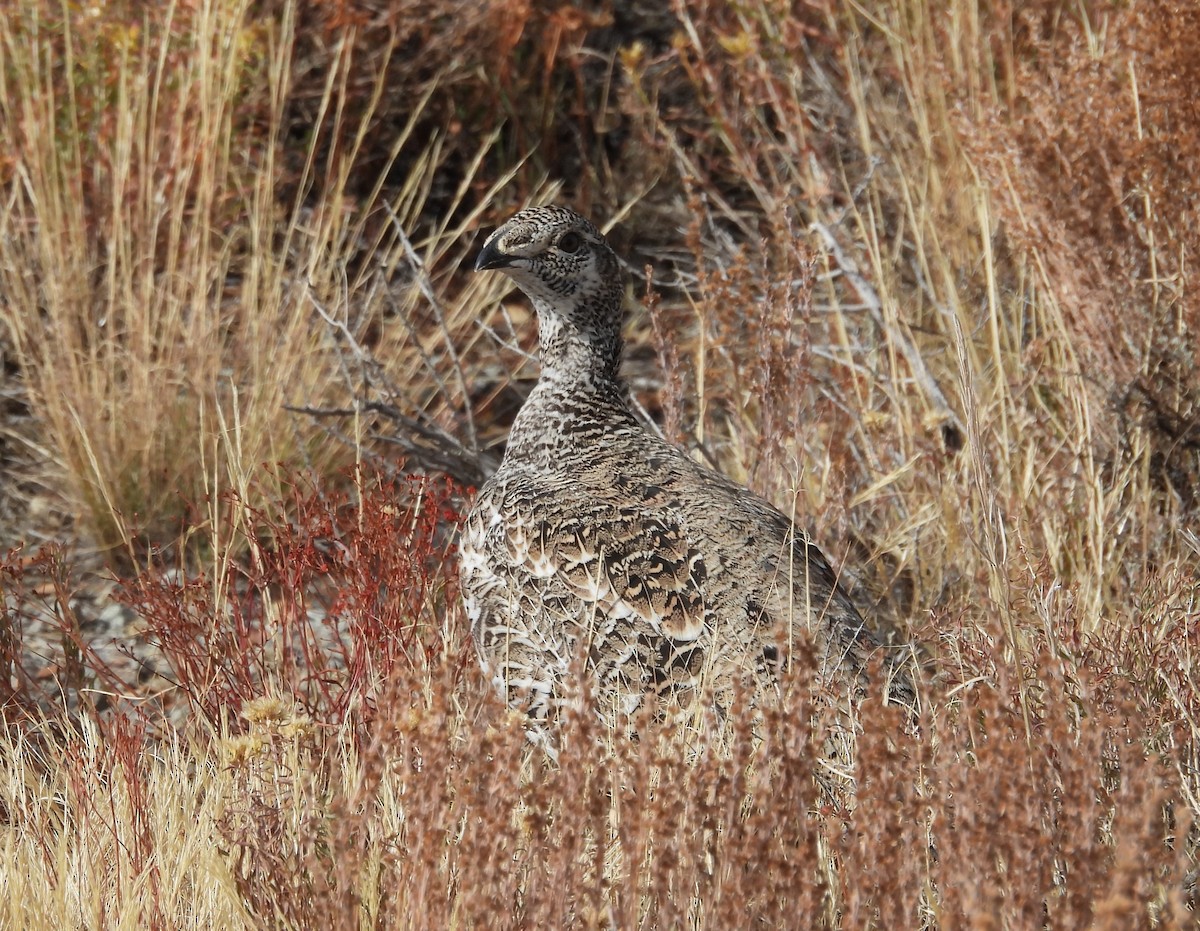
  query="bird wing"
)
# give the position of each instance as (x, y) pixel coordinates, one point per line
(627, 559)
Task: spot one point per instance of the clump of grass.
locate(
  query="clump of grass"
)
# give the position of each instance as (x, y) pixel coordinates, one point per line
(157, 328)
(173, 276)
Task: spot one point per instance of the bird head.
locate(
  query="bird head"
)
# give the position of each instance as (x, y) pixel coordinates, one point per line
(555, 256)
(572, 276)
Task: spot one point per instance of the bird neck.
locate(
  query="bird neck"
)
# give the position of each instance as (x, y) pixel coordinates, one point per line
(579, 352)
(570, 408)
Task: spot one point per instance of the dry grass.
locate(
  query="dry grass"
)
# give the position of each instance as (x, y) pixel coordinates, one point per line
(919, 273)
(173, 271)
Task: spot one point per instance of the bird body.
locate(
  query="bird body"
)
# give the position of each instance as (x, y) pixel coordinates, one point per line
(597, 542)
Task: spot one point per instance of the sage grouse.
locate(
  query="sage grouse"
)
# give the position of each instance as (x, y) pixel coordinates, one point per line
(599, 543)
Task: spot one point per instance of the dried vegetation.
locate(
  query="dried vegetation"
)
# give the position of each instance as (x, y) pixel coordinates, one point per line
(919, 272)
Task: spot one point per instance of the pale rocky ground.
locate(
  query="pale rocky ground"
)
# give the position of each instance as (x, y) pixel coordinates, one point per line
(33, 520)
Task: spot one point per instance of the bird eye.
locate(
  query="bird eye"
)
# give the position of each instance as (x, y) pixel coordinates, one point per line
(571, 242)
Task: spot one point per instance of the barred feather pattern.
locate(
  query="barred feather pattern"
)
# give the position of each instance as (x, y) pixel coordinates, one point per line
(599, 546)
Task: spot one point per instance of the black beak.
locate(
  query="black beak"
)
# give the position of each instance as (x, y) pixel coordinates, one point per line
(491, 257)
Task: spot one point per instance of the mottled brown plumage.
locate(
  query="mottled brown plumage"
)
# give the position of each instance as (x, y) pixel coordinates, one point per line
(598, 539)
